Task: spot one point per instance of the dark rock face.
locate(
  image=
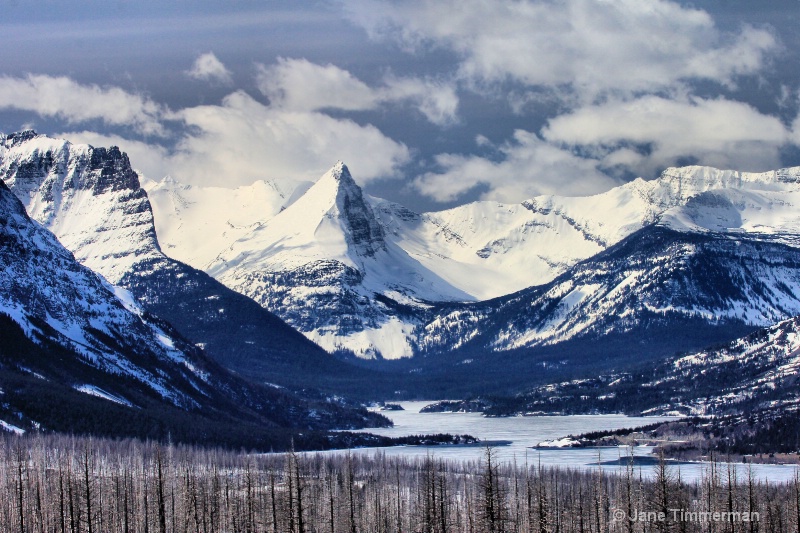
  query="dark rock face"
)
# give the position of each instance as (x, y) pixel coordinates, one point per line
(331, 301)
(110, 170)
(17, 138)
(364, 231)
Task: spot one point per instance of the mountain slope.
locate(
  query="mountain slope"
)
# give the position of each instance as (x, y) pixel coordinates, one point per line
(696, 256)
(300, 264)
(488, 249)
(51, 296)
(194, 234)
(91, 199)
(323, 265)
(759, 371)
(755, 373)
(77, 354)
(654, 277)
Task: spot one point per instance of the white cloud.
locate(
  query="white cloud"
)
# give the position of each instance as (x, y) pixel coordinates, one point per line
(718, 132)
(208, 68)
(68, 100)
(300, 85)
(234, 143)
(243, 140)
(527, 167)
(622, 69)
(438, 101)
(641, 136)
(589, 47)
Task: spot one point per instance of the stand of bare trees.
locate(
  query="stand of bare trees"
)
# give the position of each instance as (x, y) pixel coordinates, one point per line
(66, 484)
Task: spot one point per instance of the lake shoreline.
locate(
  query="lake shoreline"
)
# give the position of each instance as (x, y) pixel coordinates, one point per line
(525, 432)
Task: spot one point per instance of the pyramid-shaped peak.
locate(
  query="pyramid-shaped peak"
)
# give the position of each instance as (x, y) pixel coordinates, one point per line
(333, 209)
(337, 183)
(340, 172)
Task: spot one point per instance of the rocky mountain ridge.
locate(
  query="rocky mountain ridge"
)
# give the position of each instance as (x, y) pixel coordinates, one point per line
(91, 199)
(707, 253)
(486, 250)
(78, 354)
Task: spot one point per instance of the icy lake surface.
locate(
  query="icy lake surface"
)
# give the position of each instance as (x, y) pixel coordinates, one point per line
(527, 431)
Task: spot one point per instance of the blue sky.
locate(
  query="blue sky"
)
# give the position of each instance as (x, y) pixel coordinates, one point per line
(430, 103)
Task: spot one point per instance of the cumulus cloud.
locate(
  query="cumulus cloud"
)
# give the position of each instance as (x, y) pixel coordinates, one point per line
(619, 74)
(436, 100)
(65, 99)
(242, 140)
(662, 132)
(300, 85)
(527, 166)
(208, 68)
(586, 47)
(575, 153)
(234, 143)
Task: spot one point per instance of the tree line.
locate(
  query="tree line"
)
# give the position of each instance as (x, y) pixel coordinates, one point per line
(65, 484)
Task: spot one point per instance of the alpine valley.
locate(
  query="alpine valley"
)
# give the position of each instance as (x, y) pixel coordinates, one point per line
(485, 297)
(80, 355)
(488, 293)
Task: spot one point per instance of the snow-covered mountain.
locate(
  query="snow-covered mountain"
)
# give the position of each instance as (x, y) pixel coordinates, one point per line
(698, 244)
(78, 354)
(483, 249)
(193, 232)
(754, 373)
(488, 249)
(90, 198)
(311, 266)
(652, 281)
(363, 275)
(324, 265)
(51, 296)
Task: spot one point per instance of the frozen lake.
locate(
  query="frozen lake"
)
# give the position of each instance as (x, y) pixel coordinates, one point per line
(524, 432)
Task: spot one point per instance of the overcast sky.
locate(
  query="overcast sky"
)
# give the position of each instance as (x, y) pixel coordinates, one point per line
(430, 103)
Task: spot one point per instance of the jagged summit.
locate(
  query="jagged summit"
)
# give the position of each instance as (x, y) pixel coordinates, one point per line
(331, 221)
(363, 230)
(76, 189)
(336, 184)
(339, 172)
(18, 137)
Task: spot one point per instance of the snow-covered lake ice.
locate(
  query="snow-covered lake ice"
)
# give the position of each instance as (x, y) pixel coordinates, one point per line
(524, 432)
